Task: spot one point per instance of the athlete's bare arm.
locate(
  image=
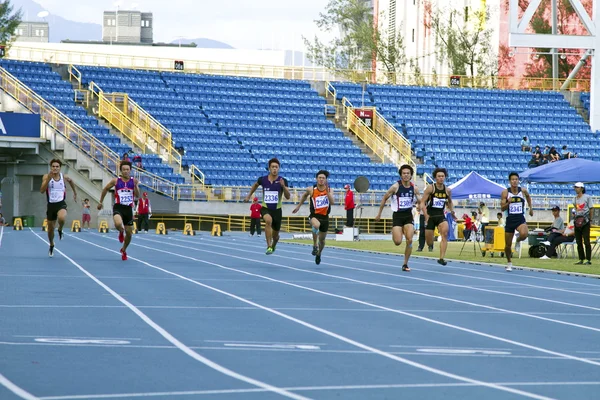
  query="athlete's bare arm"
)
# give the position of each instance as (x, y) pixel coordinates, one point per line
(45, 181)
(286, 191)
(108, 186)
(393, 189)
(426, 193)
(305, 196)
(504, 200)
(449, 204)
(252, 190)
(136, 188)
(418, 197)
(72, 184)
(528, 198)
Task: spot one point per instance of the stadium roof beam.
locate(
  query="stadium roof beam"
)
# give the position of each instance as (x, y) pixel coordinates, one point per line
(518, 38)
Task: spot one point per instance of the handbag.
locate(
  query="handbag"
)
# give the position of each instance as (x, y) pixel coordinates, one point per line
(580, 221)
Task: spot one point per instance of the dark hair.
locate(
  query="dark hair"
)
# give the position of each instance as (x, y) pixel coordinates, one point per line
(499, 215)
(86, 199)
(524, 137)
(273, 160)
(406, 166)
(56, 160)
(323, 172)
(513, 174)
(125, 163)
(438, 170)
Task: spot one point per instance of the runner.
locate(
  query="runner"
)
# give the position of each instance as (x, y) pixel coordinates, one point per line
(321, 198)
(403, 194)
(53, 184)
(513, 199)
(126, 190)
(273, 187)
(435, 198)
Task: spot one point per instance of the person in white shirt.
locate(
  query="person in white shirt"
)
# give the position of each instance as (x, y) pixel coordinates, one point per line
(53, 185)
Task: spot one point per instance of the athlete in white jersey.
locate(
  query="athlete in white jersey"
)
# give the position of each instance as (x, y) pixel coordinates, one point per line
(53, 185)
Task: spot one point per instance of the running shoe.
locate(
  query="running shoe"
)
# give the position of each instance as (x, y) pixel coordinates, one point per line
(430, 248)
(51, 251)
(315, 250)
(508, 267)
(441, 261)
(269, 251)
(123, 255)
(60, 234)
(588, 263)
(121, 237)
(318, 259)
(405, 268)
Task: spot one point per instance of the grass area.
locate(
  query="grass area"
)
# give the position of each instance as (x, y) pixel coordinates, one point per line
(453, 251)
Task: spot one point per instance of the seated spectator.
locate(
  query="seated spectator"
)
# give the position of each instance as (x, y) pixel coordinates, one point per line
(137, 161)
(536, 160)
(566, 236)
(501, 222)
(566, 154)
(525, 144)
(553, 155)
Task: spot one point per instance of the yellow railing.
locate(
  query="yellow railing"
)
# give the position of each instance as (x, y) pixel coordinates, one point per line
(74, 75)
(383, 128)
(136, 124)
(75, 134)
(370, 138)
(197, 175)
(330, 92)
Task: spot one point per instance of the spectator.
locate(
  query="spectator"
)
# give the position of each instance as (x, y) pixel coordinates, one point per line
(349, 206)
(501, 222)
(255, 217)
(144, 212)
(583, 204)
(525, 144)
(2, 220)
(553, 155)
(566, 154)
(86, 214)
(125, 157)
(137, 161)
(557, 231)
(536, 160)
(468, 226)
(484, 216)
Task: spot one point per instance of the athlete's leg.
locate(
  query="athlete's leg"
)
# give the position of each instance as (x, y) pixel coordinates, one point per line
(443, 230)
(409, 232)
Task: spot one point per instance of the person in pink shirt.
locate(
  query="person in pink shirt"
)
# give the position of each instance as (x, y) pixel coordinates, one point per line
(255, 217)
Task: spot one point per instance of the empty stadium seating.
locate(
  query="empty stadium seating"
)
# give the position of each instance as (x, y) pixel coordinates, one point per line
(231, 126)
(48, 84)
(479, 130)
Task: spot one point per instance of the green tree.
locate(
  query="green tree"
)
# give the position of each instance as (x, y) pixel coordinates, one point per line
(463, 39)
(9, 22)
(359, 41)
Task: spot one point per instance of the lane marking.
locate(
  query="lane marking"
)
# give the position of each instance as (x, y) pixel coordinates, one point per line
(327, 332)
(175, 341)
(22, 393)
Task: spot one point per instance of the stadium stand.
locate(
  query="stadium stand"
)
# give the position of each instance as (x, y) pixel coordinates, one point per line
(479, 130)
(48, 84)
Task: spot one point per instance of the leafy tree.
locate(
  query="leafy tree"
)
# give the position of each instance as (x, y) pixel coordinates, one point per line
(9, 22)
(463, 39)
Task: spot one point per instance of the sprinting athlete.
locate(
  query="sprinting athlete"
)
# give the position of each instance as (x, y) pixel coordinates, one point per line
(513, 199)
(404, 194)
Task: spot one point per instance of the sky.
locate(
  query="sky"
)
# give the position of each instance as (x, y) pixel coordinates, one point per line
(244, 24)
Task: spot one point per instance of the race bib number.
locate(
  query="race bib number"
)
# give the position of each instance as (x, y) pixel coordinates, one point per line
(126, 197)
(438, 203)
(271, 197)
(404, 202)
(515, 208)
(321, 202)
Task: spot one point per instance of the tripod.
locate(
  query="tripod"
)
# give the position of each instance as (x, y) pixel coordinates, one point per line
(476, 236)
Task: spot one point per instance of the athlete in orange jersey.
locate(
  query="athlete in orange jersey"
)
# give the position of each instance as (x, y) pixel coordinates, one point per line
(321, 198)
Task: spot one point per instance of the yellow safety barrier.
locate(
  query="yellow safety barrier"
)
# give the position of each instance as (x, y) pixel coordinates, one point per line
(103, 227)
(18, 224)
(161, 229)
(188, 230)
(45, 225)
(135, 229)
(216, 230)
(76, 226)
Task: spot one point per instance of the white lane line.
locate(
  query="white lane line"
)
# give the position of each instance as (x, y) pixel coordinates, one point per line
(448, 299)
(356, 300)
(260, 342)
(175, 341)
(439, 273)
(325, 331)
(1, 234)
(73, 337)
(22, 393)
(312, 388)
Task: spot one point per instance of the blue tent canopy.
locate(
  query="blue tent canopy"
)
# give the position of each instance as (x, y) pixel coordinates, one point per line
(475, 186)
(564, 171)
